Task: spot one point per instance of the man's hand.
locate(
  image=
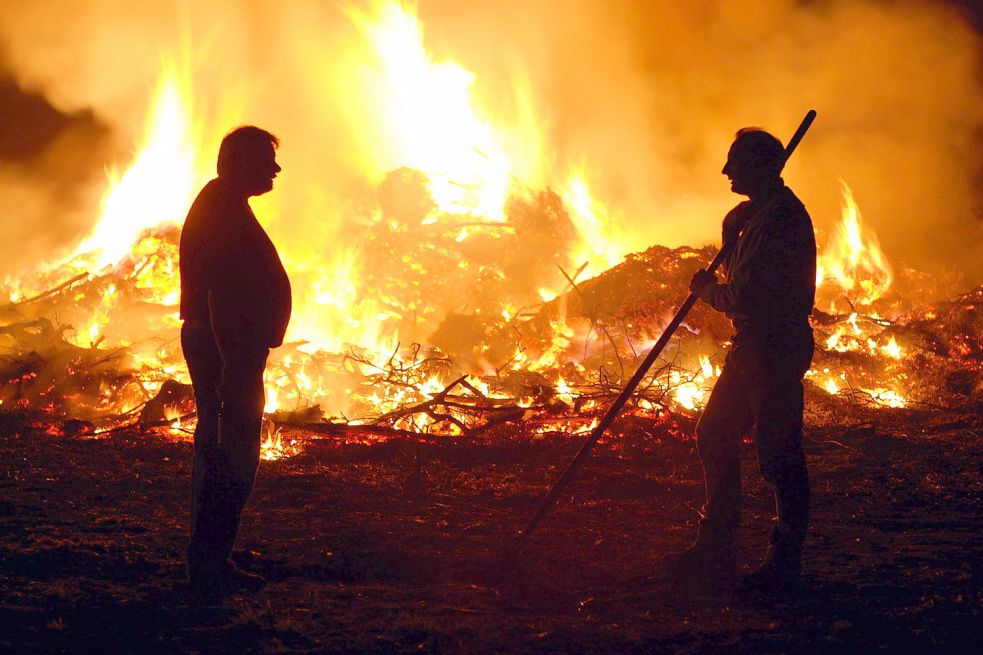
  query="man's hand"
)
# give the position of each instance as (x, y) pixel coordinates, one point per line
(700, 280)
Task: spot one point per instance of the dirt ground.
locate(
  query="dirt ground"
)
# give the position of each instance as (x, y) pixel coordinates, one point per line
(392, 546)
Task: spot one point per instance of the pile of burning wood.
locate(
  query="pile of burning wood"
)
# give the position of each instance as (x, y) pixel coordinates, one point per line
(88, 353)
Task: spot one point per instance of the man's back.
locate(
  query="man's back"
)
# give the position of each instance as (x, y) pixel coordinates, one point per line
(775, 262)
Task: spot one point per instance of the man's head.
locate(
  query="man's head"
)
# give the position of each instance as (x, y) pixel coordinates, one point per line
(247, 159)
(754, 161)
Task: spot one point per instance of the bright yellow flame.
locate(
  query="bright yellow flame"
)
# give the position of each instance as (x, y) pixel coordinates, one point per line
(425, 117)
(887, 397)
(706, 368)
(563, 391)
(892, 349)
(852, 259)
(158, 186)
(594, 225)
(556, 352)
(338, 310)
(272, 403)
(688, 394)
(275, 447)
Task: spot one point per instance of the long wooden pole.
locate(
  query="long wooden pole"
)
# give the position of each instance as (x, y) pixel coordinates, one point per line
(554, 493)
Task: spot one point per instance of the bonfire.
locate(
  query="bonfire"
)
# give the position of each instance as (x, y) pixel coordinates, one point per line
(479, 266)
(467, 301)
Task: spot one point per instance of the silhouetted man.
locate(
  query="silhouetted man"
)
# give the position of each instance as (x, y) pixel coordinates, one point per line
(235, 302)
(768, 294)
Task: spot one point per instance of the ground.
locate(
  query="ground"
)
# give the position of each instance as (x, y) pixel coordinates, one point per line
(394, 546)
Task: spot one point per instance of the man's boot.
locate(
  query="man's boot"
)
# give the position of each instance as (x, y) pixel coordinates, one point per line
(781, 568)
(222, 579)
(237, 580)
(710, 561)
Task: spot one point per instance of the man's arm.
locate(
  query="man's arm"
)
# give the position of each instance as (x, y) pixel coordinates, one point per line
(757, 276)
(234, 291)
(249, 302)
(734, 222)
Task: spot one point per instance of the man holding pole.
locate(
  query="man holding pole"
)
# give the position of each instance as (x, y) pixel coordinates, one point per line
(768, 294)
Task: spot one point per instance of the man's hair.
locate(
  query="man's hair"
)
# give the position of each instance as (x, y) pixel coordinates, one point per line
(241, 146)
(761, 149)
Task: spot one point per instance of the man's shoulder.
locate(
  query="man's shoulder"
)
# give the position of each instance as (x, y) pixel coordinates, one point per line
(204, 216)
(213, 197)
(789, 199)
(212, 208)
(787, 208)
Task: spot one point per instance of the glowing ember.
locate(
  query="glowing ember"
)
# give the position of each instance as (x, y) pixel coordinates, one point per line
(886, 397)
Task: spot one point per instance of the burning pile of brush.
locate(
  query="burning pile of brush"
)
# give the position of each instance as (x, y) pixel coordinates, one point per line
(555, 364)
(464, 296)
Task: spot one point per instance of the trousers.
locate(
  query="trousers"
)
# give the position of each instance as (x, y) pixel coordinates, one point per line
(764, 393)
(229, 399)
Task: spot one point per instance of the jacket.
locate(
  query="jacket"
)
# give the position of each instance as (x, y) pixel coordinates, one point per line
(770, 285)
(231, 274)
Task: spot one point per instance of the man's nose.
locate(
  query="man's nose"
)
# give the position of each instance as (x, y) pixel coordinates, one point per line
(276, 167)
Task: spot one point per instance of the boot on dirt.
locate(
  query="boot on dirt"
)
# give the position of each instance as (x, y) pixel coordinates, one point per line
(781, 569)
(709, 562)
(224, 580)
(237, 580)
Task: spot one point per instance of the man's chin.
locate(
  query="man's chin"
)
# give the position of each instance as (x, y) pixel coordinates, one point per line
(261, 189)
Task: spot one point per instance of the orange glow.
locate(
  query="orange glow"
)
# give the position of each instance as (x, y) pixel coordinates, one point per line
(349, 351)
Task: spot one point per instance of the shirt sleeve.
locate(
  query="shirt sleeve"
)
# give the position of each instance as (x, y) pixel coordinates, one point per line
(762, 273)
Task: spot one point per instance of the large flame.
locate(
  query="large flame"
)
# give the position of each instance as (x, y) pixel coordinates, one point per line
(599, 244)
(852, 265)
(423, 116)
(853, 260)
(158, 186)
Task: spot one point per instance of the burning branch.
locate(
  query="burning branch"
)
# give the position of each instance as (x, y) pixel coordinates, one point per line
(64, 286)
(444, 408)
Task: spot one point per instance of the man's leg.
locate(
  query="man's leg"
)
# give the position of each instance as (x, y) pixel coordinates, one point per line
(719, 432)
(205, 368)
(718, 435)
(778, 405)
(239, 433)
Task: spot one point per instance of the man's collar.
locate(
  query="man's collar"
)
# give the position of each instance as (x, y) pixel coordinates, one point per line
(775, 186)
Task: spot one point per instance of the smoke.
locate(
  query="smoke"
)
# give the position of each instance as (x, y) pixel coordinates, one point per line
(651, 93)
(647, 95)
(49, 164)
